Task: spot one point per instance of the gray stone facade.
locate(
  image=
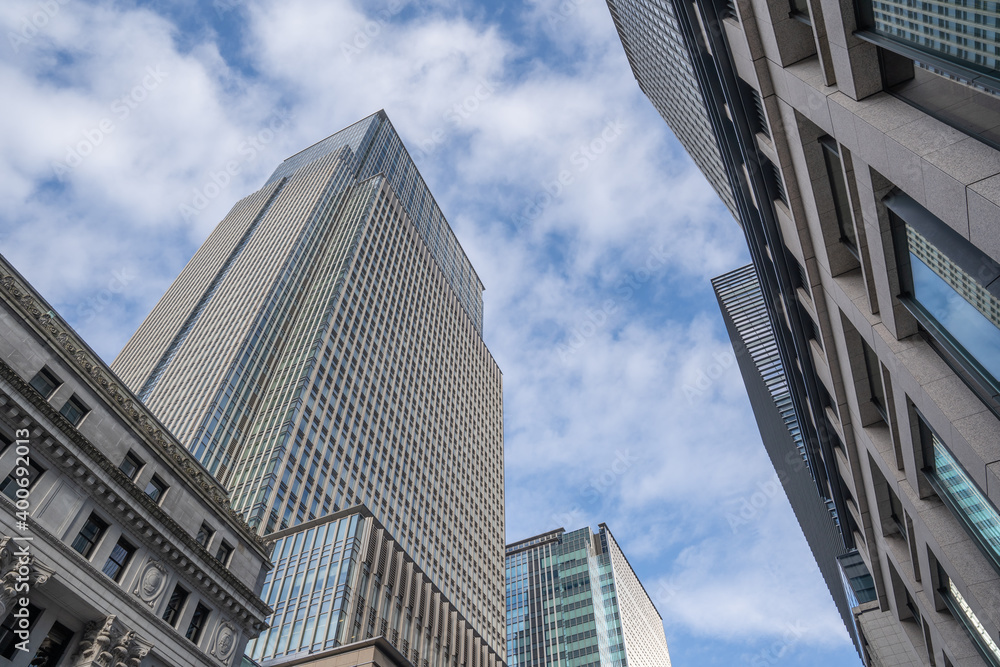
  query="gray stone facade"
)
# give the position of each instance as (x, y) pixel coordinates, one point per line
(118, 546)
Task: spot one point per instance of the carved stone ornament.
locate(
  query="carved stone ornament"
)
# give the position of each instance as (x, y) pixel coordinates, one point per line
(151, 582)
(108, 643)
(18, 566)
(225, 642)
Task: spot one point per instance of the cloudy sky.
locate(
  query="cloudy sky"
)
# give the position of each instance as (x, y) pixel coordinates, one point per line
(119, 120)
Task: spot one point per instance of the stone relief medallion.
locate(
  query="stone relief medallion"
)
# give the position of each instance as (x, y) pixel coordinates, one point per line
(225, 642)
(151, 582)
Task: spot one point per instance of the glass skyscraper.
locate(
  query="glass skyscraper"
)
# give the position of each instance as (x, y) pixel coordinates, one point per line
(574, 600)
(322, 352)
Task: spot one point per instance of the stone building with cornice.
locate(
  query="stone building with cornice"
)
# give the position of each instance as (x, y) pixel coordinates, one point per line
(117, 548)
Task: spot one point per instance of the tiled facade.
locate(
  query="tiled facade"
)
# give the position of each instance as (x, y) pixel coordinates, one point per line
(574, 600)
(323, 350)
(864, 166)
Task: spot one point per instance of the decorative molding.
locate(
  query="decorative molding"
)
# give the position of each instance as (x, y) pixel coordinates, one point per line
(226, 638)
(18, 293)
(152, 580)
(11, 565)
(109, 643)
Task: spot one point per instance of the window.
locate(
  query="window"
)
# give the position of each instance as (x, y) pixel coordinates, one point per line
(89, 535)
(197, 624)
(875, 386)
(953, 290)
(172, 612)
(224, 553)
(118, 560)
(841, 203)
(74, 410)
(961, 494)
(204, 535)
(45, 382)
(12, 482)
(53, 647)
(8, 639)
(961, 610)
(156, 489)
(131, 465)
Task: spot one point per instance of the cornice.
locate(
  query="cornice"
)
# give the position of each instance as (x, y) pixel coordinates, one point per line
(35, 311)
(116, 502)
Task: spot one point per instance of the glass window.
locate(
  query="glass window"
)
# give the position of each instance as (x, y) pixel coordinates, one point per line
(74, 410)
(204, 535)
(875, 386)
(224, 552)
(118, 560)
(89, 535)
(961, 610)
(172, 612)
(53, 647)
(961, 494)
(131, 465)
(841, 203)
(197, 624)
(45, 382)
(11, 483)
(156, 489)
(958, 303)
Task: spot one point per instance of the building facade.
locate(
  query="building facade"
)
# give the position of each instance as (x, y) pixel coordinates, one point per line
(323, 351)
(343, 580)
(574, 600)
(116, 547)
(859, 142)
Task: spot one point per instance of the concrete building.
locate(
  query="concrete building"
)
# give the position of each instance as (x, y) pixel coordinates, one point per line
(117, 549)
(859, 140)
(322, 352)
(573, 599)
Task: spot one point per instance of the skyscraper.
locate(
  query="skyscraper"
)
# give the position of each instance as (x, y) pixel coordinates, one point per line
(573, 599)
(323, 351)
(860, 143)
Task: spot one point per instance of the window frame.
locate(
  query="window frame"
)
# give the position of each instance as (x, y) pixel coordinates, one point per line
(75, 402)
(830, 148)
(162, 487)
(196, 626)
(223, 545)
(11, 481)
(52, 379)
(139, 464)
(129, 550)
(903, 211)
(181, 594)
(92, 543)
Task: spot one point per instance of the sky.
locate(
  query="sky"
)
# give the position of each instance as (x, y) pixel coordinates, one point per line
(594, 233)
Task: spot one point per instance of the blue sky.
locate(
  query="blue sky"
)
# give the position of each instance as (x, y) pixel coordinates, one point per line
(594, 234)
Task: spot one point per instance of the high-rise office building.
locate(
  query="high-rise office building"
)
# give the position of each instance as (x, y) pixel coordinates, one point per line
(745, 314)
(573, 599)
(661, 65)
(860, 142)
(322, 352)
